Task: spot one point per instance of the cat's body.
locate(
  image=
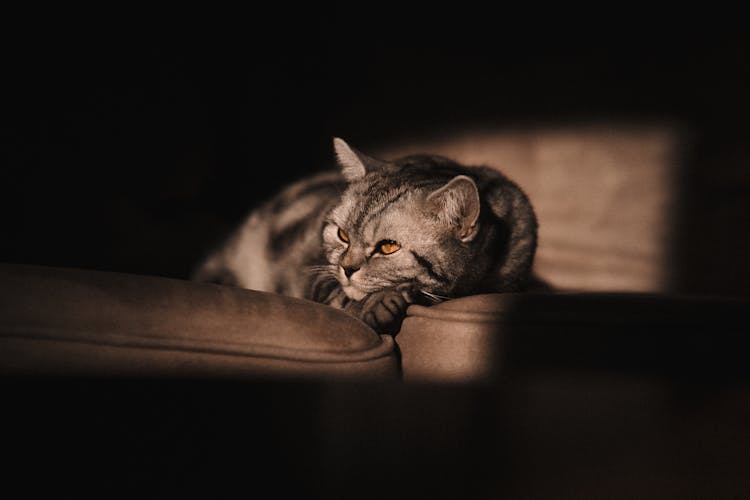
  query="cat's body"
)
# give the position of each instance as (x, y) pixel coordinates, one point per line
(379, 235)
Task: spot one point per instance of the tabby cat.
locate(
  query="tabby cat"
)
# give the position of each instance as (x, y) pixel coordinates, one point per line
(378, 235)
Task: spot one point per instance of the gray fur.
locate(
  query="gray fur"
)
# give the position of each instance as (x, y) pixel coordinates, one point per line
(461, 230)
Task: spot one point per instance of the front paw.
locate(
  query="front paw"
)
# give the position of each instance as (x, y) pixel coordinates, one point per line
(384, 311)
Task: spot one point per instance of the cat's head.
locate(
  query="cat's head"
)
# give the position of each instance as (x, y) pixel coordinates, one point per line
(395, 225)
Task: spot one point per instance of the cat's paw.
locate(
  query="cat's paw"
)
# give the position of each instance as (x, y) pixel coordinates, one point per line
(384, 311)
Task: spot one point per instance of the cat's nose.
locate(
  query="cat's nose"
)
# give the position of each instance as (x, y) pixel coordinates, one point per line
(348, 271)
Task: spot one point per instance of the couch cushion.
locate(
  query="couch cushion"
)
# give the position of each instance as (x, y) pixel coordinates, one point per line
(79, 322)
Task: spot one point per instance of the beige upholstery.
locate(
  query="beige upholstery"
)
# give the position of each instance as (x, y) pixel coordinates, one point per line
(74, 322)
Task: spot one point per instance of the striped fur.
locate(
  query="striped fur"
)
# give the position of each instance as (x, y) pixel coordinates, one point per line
(479, 236)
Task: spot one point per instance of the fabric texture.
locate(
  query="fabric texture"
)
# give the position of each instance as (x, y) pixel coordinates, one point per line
(79, 323)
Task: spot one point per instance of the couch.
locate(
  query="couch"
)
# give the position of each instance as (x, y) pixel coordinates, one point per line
(147, 386)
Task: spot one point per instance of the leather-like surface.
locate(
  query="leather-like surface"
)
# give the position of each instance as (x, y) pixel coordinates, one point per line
(68, 321)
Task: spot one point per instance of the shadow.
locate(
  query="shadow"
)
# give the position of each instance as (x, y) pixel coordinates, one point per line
(625, 395)
(714, 202)
(315, 440)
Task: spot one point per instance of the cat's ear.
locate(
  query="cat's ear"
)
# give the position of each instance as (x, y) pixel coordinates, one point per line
(354, 165)
(457, 203)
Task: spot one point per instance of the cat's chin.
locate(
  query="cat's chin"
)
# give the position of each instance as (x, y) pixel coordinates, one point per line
(353, 292)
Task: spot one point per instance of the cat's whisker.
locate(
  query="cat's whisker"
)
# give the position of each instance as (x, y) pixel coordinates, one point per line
(323, 275)
(320, 266)
(434, 297)
(321, 271)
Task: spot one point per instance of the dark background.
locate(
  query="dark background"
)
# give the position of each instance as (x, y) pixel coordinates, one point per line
(132, 142)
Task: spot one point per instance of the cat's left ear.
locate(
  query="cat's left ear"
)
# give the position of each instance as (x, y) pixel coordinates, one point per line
(354, 165)
(457, 203)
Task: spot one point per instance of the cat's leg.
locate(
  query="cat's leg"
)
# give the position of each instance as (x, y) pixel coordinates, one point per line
(384, 310)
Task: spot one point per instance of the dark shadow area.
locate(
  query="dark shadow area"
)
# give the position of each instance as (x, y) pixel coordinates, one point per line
(211, 438)
(698, 339)
(626, 395)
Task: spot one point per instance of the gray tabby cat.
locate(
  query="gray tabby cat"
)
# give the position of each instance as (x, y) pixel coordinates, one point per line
(378, 236)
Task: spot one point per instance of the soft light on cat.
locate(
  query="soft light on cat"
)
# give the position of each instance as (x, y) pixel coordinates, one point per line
(379, 235)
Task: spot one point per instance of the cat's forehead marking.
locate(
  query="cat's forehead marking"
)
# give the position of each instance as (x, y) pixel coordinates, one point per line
(372, 196)
(380, 204)
(399, 220)
(361, 198)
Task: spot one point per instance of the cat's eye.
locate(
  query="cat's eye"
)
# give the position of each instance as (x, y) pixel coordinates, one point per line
(343, 236)
(388, 247)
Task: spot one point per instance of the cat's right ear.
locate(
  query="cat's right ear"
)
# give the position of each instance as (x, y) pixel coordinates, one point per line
(354, 165)
(457, 204)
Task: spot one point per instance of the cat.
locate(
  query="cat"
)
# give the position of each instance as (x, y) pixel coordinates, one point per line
(378, 235)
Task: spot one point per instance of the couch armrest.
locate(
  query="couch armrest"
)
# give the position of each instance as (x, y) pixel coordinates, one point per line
(478, 337)
(90, 323)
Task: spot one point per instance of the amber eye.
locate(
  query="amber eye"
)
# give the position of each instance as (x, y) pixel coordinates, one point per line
(388, 247)
(343, 236)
